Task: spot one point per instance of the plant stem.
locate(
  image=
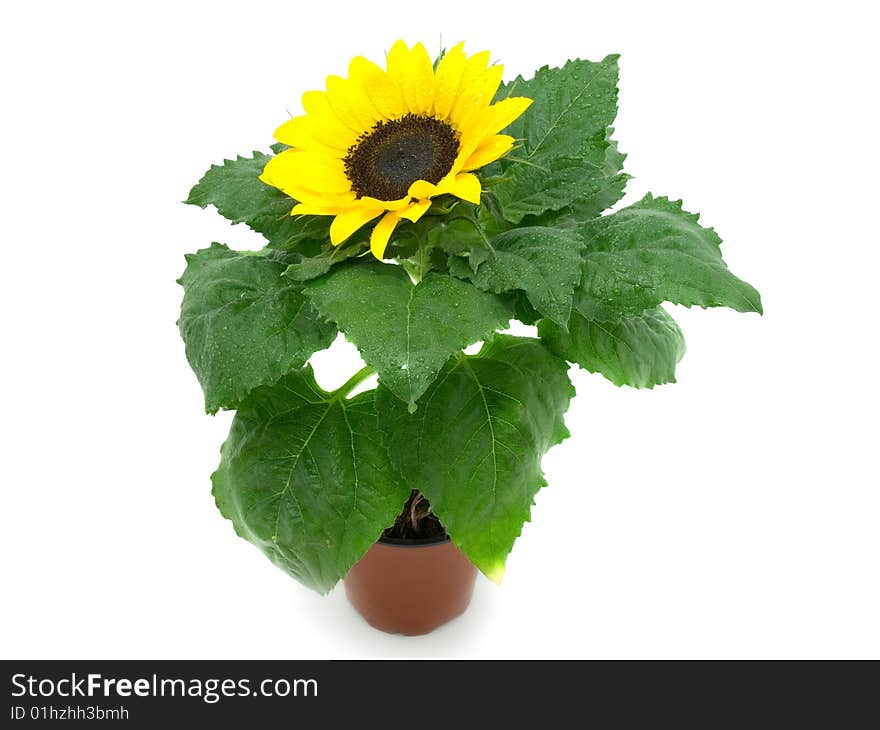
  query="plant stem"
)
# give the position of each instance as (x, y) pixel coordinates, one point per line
(472, 219)
(411, 268)
(354, 381)
(422, 252)
(418, 265)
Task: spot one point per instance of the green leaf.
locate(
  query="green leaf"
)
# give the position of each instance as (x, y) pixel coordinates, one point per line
(406, 331)
(654, 252)
(641, 351)
(565, 136)
(524, 311)
(542, 262)
(457, 237)
(303, 267)
(243, 324)
(474, 447)
(305, 478)
(609, 188)
(234, 188)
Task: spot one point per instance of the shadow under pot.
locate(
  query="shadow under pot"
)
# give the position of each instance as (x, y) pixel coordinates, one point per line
(411, 587)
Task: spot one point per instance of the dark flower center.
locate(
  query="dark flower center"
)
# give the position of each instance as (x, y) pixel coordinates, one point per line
(385, 161)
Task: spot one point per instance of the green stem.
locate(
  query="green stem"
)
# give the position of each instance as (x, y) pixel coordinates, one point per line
(354, 381)
(411, 268)
(418, 266)
(529, 163)
(493, 181)
(472, 219)
(422, 260)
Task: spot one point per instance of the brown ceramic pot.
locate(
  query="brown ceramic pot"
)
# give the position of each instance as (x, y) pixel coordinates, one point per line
(411, 587)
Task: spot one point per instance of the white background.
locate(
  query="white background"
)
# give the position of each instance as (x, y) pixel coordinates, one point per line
(734, 514)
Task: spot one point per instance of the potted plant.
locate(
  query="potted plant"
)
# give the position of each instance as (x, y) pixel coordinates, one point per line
(419, 209)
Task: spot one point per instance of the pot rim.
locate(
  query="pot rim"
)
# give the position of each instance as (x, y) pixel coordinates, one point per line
(404, 543)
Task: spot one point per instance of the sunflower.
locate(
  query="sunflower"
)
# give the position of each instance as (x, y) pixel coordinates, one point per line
(385, 142)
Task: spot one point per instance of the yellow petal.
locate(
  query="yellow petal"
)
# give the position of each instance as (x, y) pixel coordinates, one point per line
(300, 170)
(448, 76)
(397, 58)
(397, 64)
(421, 80)
(466, 147)
(348, 222)
(275, 169)
(278, 173)
(416, 79)
(350, 103)
(489, 82)
(305, 195)
(476, 65)
(299, 132)
(471, 106)
(309, 132)
(414, 73)
(447, 184)
(292, 133)
(309, 209)
(381, 89)
(316, 172)
(474, 89)
(416, 210)
(422, 189)
(382, 233)
(467, 187)
(395, 205)
(500, 115)
(490, 149)
(323, 122)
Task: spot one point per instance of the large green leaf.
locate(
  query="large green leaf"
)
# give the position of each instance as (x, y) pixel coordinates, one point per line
(243, 324)
(234, 188)
(303, 267)
(542, 262)
(641, 350)
(474, 446)
(609, 188)
(460, 236)
(406, 331)
(654, 252)
(305, 478)
(565, 136)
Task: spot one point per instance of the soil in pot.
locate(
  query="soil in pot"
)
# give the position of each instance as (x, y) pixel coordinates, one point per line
(416, 522)
(414, 579)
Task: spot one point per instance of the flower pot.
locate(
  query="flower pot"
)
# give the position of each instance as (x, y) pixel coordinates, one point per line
(411, 587)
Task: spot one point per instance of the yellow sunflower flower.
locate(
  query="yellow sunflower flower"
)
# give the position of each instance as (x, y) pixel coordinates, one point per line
(383, 143)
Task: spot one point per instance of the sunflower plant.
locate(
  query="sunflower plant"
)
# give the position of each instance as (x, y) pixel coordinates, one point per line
(418, 209)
